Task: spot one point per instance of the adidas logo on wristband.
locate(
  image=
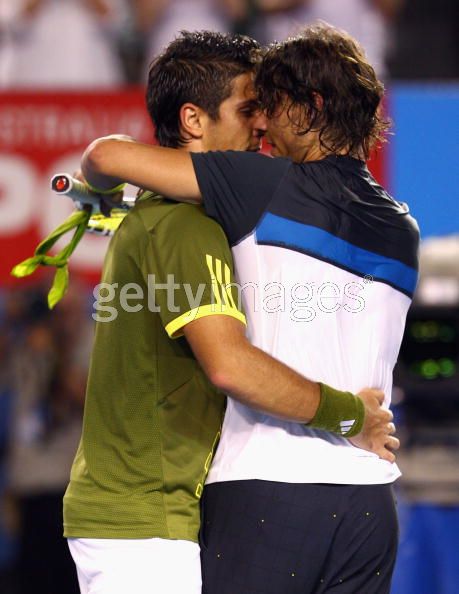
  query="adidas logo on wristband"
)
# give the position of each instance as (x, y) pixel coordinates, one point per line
(346, 426)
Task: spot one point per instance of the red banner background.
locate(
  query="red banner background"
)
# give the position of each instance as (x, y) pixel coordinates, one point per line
(45, 133)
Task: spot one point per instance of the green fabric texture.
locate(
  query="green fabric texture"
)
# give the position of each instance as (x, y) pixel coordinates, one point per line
(339, 412)
(78, 220)
(151, 419)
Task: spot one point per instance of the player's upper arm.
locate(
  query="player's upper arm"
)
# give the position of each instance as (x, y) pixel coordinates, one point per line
(217, 342)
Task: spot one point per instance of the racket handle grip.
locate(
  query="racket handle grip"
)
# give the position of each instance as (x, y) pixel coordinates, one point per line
(66, 185)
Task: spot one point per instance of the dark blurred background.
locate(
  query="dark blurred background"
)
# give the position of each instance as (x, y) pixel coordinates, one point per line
(72, 70)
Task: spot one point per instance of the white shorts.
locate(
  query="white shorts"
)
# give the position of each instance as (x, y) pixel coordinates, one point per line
(143, 566)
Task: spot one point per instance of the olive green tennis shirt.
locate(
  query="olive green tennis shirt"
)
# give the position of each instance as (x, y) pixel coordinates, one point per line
(151, 419)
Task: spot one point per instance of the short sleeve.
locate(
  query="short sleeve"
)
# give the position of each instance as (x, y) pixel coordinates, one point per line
(237, 187)
(188, 269)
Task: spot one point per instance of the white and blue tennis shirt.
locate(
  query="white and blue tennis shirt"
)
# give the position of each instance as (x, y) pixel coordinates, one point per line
(327, 263)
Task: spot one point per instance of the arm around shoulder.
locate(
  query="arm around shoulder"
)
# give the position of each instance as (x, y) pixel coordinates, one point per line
(111, 160)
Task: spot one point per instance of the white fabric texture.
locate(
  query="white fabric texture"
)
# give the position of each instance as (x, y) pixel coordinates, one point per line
(256, 446)
(140, 566)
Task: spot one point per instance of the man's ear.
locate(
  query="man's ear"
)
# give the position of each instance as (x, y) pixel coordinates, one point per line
(191, 121)
(318, 101)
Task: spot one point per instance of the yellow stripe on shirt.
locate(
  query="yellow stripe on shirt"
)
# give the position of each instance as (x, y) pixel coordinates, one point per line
(201, 312)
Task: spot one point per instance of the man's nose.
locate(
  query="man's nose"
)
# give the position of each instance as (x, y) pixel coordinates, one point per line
(260, 123)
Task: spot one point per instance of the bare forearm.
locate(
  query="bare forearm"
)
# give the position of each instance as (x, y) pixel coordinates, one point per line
(109, 161)
(248, 373)
(263, 383)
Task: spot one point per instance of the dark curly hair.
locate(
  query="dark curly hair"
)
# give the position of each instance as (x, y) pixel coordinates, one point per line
(326, 62)
(198, 67)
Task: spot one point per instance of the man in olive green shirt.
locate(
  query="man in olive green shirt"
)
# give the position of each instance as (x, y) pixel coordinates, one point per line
(146, 393)
(152, 418)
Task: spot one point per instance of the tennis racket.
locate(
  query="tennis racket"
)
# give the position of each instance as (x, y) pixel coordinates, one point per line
(66, 185)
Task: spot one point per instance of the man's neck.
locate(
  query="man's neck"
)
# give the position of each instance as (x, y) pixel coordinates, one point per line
(193, 146)
(317, 153)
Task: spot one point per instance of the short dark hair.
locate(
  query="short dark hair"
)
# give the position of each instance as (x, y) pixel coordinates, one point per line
(324, 61)
(198, 67)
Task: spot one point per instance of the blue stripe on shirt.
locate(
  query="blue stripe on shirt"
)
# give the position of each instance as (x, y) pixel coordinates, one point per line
(275, 230)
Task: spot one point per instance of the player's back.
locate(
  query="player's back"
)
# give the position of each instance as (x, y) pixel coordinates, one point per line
(151, 417)
(334, 260)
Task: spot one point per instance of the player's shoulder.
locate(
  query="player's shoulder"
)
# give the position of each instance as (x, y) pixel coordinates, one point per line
(186, 218)
(162, 215)
(143, 219)
(154, 209)
(409, 223)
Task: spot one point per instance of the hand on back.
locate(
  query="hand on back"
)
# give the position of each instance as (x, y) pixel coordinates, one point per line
(378, 429)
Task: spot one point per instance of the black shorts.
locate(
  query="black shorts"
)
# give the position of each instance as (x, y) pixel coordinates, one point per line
(262, 537)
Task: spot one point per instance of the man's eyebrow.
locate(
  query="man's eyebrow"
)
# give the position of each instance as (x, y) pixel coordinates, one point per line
(253, 103)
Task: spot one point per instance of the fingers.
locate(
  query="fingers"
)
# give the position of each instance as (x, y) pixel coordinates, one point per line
(379, 418)
(105, 208)
(386, 454)
(377, 434)
(109, 201)
(379, 438)
(114, 200)
(371, 394)
(392, 443)
(385, 416)
(78, 175)
(379, 396)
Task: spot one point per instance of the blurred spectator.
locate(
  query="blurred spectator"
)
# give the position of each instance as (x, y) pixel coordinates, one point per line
(369, 21)
(185, 14)
(426, 41)
(59, 43)
(141, 19)
(274, 20)
(268, 20)
(46, 367)
(153, 24)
